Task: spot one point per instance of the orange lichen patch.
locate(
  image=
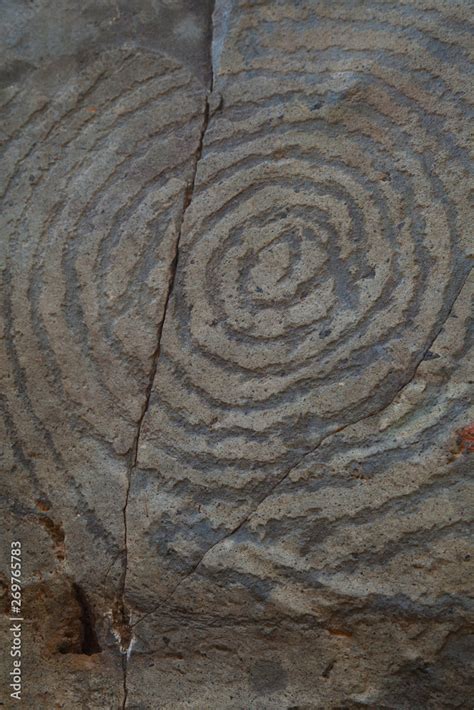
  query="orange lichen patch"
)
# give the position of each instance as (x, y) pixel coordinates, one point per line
(62, 621)
(81, 662)
(464, 443)
(56, 532)
(341, 633)
(43, 505)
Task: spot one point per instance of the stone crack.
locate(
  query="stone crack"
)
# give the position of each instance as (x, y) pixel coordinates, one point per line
(122, 620)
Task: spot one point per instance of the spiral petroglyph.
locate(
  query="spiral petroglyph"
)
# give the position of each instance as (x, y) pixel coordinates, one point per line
(320, 257)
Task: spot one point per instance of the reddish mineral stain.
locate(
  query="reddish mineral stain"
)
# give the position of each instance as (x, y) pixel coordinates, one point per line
(466, 439)
(464, 442)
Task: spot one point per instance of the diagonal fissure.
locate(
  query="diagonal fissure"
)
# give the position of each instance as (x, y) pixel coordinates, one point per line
(284, 476)
(122, 621)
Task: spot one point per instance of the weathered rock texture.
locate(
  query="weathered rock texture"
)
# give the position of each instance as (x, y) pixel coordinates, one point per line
(235, 366)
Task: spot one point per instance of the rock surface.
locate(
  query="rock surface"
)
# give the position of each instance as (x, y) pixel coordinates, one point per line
(235, 353)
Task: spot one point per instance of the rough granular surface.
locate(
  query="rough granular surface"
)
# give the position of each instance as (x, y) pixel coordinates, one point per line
(235, 365)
